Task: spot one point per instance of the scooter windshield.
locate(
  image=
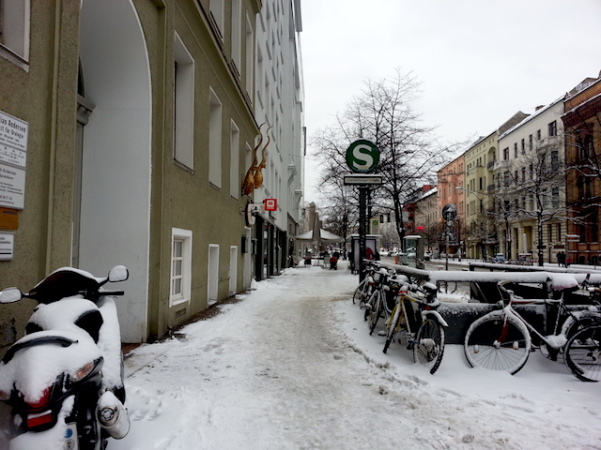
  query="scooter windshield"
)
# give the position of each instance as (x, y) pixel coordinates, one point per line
(65, 283)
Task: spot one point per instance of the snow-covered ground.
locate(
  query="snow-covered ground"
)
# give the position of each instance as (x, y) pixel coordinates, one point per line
(292, 366)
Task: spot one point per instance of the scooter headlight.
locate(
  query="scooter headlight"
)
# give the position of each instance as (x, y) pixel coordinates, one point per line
(86, 371)
(83, 372)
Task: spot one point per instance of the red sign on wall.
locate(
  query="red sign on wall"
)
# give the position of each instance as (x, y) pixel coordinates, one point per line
(270, 204)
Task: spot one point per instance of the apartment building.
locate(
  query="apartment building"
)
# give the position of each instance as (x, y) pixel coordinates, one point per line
(127, 133)
(583, 142)
(530, 186)
(480, 233)
(450, 195)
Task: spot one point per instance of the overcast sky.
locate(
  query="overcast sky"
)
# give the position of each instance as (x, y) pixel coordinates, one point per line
(477, 61)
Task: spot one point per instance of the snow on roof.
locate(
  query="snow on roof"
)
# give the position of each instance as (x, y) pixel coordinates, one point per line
(536, 113)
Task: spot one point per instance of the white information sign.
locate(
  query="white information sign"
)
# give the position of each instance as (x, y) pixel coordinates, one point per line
(7, 246)
(13, 160)
(12, 187)
(13, 132)
(10, 155)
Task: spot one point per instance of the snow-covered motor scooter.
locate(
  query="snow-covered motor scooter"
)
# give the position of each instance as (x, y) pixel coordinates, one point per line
(64, 379)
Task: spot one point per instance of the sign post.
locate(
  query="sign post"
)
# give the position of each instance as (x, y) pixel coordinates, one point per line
(449, 211)
(362, 157)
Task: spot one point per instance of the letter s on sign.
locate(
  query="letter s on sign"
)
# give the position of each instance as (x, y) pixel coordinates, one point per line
(362, 155)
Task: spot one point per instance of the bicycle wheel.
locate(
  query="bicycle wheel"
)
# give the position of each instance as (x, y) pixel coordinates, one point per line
(375, 311)
(496, 342)
(367, 301)
(392, 326)
(583, 353)
(358, 294)
(428, 347)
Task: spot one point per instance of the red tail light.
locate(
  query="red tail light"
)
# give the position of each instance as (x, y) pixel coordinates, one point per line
(42, 403)
(38, 420)
(40, 411)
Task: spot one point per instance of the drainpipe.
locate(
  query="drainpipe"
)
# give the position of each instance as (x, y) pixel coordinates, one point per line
(53, 134)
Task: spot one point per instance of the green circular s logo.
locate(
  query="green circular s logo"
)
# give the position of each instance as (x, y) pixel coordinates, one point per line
(362, 156)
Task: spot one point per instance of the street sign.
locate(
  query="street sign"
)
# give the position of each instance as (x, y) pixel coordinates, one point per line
(270, 204)
(362, 156)
(363, 180)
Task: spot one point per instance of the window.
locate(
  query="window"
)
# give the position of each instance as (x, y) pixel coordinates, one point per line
(515, 150)
(250, 57)
(234, 160)
(553, 128)
(530, 142)
(181, 266)
(237, 34)
(183, 108)
(216, 10)
(523, 147)
(588, 149)
(215, 129)
(554, 160)
(506, 153)
(555, 197)
(14, 30)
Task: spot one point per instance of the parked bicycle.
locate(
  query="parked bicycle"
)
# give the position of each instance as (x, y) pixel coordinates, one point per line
(502, 339)
(365, 288)
(382, 299)
(414, 317)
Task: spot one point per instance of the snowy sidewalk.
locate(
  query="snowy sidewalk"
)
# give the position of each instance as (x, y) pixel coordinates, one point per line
(292, 366)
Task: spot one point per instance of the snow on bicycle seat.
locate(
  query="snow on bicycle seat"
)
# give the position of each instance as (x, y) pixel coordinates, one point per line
(562, 281)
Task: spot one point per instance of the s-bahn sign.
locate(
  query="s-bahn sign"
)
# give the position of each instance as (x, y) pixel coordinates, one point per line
(362, 156)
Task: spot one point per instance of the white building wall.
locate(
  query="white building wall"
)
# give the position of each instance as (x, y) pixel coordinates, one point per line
(279, 103)
(532, 133)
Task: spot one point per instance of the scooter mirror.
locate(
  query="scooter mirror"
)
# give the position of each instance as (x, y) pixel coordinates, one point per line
(118, 273)
(10, 295)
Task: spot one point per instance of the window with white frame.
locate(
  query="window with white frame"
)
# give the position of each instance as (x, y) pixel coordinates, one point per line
(215, 129)
(14, 29)
(181, 266)
(183, 108)
(234, 160)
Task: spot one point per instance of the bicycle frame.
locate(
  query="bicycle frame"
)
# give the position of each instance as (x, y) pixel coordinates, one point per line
(422, 309)
(550, 339)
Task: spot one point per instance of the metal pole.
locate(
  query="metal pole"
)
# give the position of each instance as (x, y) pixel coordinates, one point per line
(362, 230)
(448, 235)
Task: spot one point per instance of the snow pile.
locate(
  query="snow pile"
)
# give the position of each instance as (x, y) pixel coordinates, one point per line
(293, 366)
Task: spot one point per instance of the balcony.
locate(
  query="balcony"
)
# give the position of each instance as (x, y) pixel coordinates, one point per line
(498, 165)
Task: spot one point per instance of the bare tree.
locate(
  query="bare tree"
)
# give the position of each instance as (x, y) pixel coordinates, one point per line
(383, 114)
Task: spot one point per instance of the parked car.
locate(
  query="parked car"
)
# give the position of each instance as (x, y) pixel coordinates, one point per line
(499, 257)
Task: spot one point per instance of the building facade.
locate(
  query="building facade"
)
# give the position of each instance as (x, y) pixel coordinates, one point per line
(583, 142)
(530, 186)
(450, 195)
(139, 120)
(480, 238)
